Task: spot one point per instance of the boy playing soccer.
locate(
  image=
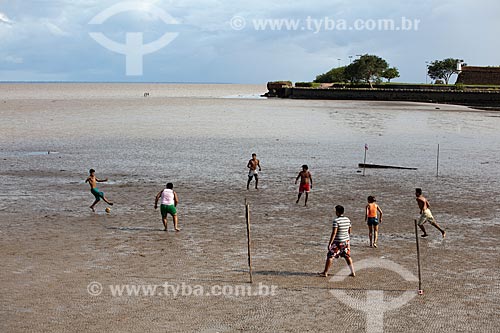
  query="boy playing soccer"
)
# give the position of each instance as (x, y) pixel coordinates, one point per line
(425, 214)
(338, 246)
(306, 183)
(371, 219)
(93, 180)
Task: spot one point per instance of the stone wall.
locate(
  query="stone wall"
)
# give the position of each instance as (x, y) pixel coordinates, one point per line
(479, 75)
(473, 98)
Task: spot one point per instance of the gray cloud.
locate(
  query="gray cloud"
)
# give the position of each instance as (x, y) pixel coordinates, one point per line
(52, 39)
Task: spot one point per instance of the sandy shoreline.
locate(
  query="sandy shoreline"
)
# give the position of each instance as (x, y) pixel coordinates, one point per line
(49, 260)
(53, 246)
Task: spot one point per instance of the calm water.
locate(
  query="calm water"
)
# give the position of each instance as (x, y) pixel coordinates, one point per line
(200, 133)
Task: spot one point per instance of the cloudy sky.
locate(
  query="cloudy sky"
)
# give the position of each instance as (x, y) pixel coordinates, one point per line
(227, 41)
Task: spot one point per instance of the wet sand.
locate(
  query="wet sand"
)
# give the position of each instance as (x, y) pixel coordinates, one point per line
(53, 246)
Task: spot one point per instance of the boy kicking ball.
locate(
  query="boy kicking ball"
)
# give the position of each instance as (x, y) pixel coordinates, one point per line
(93, 180)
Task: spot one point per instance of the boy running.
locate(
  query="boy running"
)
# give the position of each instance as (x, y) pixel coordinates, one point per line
(371, 219)
(93, 180)
(425, 214)
(169, 201)
(306, 183)
(253, 164)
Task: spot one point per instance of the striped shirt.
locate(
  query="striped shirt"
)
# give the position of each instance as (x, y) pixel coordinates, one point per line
(342, 224)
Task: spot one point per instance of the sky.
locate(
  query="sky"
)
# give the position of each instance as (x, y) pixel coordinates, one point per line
(222, 41)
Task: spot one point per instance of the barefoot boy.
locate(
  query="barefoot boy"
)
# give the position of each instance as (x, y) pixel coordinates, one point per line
(169, 201)
(425, 214)
(338, 246)
(93, 180)
(306, 183)
(371, 219)
(253, 164)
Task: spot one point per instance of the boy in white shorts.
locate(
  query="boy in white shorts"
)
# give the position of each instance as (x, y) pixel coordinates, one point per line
(425, 214)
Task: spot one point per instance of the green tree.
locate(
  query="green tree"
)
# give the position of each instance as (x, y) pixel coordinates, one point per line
(443, 69)
(367, 68)
(333, 75)
(390, 73)
(352, 74)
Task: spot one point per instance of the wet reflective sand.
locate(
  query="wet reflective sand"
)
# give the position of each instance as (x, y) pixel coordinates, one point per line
(200, 137)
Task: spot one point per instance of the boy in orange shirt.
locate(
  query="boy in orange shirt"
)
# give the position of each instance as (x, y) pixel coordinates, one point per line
(372, 220)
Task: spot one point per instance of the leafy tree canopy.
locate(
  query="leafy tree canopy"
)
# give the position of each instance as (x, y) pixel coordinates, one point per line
(390, 73)
(367, 68)
(443, 69)
(333, 75)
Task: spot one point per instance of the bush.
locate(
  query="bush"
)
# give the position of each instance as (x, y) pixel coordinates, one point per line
(307, 84)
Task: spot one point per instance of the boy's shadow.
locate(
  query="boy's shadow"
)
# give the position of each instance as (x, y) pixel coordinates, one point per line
(133, 229)
(284, 273)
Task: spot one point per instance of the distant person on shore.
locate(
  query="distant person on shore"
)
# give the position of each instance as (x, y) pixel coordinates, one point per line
(252, 165)
(93, 180)
(306, 183)
(169, 201)
(372, 220)
(425, 214)
(338, 246)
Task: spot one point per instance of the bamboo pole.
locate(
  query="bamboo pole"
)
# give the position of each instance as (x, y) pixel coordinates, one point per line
(364, 160)
(437, 163)
(249, 240)
(420, 290)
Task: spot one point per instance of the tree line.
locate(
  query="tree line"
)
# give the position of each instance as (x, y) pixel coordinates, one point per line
(371, 68)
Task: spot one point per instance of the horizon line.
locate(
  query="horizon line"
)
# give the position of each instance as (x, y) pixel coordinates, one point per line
(128, 82)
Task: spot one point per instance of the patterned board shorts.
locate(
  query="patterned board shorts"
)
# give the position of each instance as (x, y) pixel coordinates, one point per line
(339, 249)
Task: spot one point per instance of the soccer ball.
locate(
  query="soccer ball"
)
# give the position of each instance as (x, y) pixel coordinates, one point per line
(108, 210)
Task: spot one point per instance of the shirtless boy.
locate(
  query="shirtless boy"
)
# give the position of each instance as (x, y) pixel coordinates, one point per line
(253, 164)
(306, 183)
(93, 180)
(425, 214)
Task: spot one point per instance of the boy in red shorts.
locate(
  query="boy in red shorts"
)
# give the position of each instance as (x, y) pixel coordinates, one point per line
(305, 183)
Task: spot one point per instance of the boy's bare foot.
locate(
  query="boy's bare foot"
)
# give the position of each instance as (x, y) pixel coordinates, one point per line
(444, 234)
(352, 274)
(323, 274)
(165, 229)
(110, 203)
(92, 208)
(297, 201)
(424, 235)
(177, 229)
(374, 245)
